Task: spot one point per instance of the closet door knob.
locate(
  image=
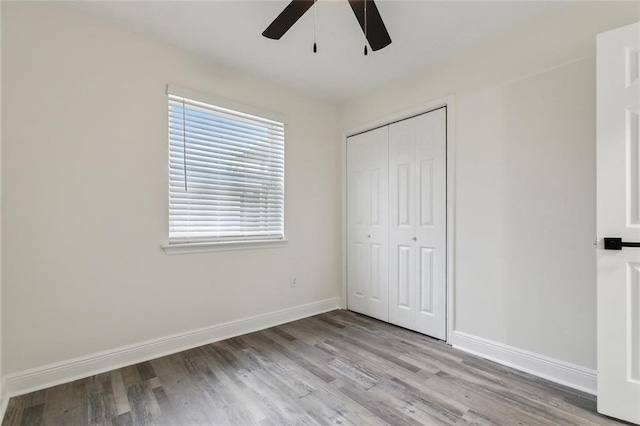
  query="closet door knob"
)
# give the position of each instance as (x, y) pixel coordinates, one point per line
(415, 238)
(369, 236)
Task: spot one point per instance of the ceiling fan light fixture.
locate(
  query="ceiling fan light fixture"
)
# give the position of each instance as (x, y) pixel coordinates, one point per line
(366, 12)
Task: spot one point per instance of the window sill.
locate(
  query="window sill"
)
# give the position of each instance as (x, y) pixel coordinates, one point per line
(202, 247)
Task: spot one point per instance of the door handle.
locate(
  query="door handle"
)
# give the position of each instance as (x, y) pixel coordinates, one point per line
(617, 244)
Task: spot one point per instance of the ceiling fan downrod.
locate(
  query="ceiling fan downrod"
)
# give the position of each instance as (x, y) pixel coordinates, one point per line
(315, 20)
(365, 28)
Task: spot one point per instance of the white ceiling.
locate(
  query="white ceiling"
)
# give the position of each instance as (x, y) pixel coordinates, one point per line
(229, 33)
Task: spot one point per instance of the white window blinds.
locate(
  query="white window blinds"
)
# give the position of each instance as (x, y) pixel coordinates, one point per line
(226, 174)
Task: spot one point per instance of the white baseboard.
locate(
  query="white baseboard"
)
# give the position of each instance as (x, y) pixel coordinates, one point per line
(4, 401)
(62, 372)
(562, 372)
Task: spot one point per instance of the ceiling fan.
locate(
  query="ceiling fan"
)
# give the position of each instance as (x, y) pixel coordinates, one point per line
(366, 13)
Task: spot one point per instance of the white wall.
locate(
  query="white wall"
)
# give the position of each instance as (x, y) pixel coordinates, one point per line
(84, 176)
(525, 177)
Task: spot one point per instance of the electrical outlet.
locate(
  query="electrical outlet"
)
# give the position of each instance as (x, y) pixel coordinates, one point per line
(294, 282)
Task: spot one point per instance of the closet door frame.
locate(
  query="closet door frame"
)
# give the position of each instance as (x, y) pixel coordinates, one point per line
(449, 103)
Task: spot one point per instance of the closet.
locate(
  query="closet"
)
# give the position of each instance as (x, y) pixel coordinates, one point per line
(396, 223)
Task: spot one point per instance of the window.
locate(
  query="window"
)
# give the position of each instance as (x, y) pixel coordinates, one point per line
(226, 174)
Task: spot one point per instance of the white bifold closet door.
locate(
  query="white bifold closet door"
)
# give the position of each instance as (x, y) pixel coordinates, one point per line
(367, 223)
(417, 223)
(396, 223)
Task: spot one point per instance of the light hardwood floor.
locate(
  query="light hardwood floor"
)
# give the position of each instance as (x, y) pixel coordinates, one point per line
(334, 368)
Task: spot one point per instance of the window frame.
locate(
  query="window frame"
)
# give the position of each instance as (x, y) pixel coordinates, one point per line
(181, 245)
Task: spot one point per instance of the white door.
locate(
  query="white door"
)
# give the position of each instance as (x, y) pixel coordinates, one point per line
(618, 211)
(417, 223)
(367, 224)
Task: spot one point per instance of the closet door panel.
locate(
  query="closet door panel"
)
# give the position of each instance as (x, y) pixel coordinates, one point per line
(402, 218)
(357, 209)
(430, 316)
(417, 223)
(367, 223)
(378, 219)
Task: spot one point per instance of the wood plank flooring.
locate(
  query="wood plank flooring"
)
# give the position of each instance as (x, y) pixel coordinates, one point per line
(334, 368)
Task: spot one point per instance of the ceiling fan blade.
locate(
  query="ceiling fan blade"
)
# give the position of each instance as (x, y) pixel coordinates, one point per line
(377, 34)
(287, 18)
